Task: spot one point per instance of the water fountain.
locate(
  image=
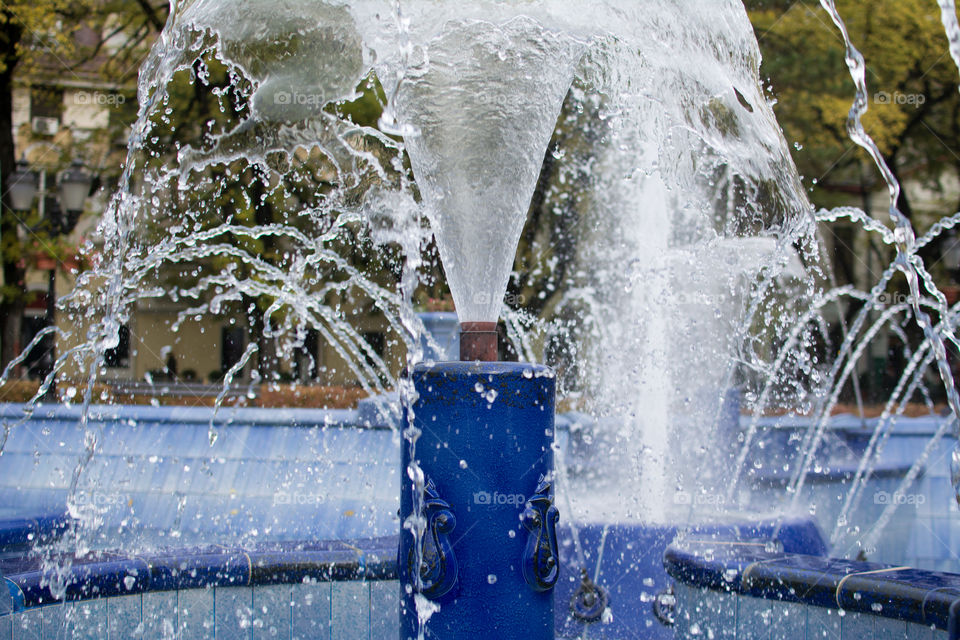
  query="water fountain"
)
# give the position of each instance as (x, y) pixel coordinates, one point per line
(694, 243)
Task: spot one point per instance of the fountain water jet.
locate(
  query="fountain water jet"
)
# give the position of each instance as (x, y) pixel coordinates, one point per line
(481, 101)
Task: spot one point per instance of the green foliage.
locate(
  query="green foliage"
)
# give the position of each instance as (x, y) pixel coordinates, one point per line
(911, 80)
(30, 29)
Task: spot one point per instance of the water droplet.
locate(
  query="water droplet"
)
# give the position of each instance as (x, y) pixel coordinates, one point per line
(491, 579)
(463, 464)
(511, 534)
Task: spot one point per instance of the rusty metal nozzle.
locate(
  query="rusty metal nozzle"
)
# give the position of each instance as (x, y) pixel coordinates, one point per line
(478, 341)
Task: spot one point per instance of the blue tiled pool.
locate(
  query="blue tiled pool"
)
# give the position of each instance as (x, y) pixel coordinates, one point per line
(283, 476)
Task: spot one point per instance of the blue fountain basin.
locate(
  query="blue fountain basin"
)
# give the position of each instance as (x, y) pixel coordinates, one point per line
(334, 589)
(282, 476)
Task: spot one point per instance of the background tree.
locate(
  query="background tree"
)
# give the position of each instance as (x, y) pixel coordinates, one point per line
(913, 84)
(46, 40)
(913, 116)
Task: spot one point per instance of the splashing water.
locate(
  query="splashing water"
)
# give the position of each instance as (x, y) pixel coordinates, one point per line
(478, 141)
(287, 156)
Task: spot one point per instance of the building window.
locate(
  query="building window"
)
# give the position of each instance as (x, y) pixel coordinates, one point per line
(119, 356)
(46, 102)
(306, 359)
(232, 345)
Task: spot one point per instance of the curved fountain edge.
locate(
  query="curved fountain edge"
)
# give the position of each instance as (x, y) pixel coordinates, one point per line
(107, 575)
(912, 596)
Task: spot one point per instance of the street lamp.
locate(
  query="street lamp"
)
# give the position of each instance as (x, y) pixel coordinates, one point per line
(58, 218)
(23, 187)
(75, 185)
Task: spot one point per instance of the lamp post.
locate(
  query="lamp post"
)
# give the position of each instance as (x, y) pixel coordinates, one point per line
(58, 217)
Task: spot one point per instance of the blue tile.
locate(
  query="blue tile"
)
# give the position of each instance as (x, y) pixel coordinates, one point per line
(272, 612)
(856, 626)
(195, 614)
(88, 619)
(159, 614)
(686, 611)
(788, 621)
(54, 622)
(28, 625)
(384, 609)
(823, 624)
(754, 618)
(717, 615)
(124, 617)
(350, 611)
(888, 629)
(233, 613)
(311, 611)
(937, 634)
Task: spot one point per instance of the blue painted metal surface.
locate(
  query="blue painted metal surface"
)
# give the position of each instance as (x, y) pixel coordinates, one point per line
(541, 557)
(438, 562)
(626, 559)
(486, 435)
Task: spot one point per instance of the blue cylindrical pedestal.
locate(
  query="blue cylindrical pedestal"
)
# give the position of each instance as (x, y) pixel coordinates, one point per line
(489, 549)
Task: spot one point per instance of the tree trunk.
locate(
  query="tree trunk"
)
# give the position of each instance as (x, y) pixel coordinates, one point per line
(13, 298)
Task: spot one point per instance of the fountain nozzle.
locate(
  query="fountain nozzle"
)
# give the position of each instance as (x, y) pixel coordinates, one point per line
(478, 341)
